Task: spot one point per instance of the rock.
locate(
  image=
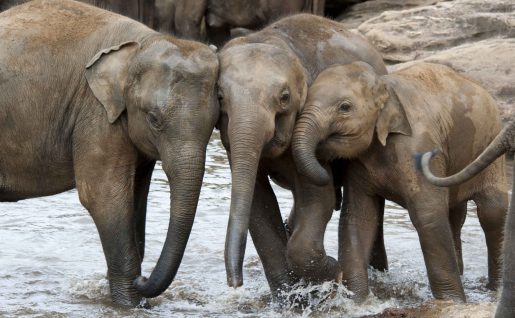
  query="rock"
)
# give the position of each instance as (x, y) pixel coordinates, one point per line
(439, 308)
(364, 11)
(417, 33)
(474, 37)
(490, 62)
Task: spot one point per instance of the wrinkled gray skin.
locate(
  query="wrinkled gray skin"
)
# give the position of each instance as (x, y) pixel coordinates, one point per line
(262, 88)
(503, 143)
(105, 98)
(378, 122)
(213, 20)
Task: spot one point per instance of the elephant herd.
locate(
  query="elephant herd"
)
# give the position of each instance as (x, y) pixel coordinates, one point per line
(90, 99)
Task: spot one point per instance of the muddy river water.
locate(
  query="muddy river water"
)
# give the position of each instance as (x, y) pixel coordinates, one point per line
(52, 265)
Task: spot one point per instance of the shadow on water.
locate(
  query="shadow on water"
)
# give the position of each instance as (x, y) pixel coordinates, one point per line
(52, 265)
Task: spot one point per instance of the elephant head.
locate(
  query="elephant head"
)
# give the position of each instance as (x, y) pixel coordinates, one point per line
(347, 105)
(163, 93)
(261, 90)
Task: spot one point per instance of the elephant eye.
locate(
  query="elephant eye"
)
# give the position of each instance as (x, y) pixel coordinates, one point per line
(154, 120)
(345, 106)
(285, 97)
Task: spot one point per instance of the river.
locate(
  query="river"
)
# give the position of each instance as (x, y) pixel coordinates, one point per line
(52, 265)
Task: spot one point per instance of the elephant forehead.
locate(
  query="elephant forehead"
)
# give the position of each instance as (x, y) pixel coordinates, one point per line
(254, 53)
(168, 56)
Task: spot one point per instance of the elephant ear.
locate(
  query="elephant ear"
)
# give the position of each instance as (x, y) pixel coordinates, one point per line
(107, 74)
(392, 117)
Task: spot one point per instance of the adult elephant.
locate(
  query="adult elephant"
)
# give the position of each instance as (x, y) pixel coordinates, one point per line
(503, 143)
(378, 122)
(140, 10)
(105, 98)
(263, 84)
(213, 20)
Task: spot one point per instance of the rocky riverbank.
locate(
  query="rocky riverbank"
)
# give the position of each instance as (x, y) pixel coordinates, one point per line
(475, 37)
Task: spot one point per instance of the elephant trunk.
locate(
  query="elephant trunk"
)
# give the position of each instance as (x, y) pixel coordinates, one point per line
(184, 168)
(496, 148)
(246, 146)
(306, 137)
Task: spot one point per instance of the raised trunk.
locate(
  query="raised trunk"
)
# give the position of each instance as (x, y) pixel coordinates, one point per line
(305, 140)
(184, 168)
(496, 148)
(247, 140)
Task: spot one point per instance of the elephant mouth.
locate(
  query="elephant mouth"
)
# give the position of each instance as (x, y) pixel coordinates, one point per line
(338, 137)
(334, 146)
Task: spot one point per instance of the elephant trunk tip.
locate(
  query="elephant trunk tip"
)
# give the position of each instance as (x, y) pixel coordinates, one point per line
(143, 287)
(420, 158)
(317, 175)
(234, 281)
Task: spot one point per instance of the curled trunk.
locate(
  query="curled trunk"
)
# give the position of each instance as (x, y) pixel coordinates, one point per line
(496, 148)
(185, 170)
(305, 140)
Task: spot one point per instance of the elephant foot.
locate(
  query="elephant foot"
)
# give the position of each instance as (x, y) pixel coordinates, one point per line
(124, 294)
(358, 286)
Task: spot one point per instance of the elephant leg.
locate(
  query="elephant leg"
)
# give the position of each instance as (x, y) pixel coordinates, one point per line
(141, 187)
(357, 232)
(269, 236)
(457, 217)
(306, 254)
(506, 307)
(492, 206)
(378, 258)
(106, 189)
(429, 213)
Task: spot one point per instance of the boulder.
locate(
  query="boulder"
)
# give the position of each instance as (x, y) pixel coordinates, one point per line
(417, 33)
(489, 62)
(361, 12)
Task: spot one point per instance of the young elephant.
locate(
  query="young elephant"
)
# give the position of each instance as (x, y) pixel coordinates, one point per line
(378, 122)
(503, 143)
(262, 88)
(91, 99)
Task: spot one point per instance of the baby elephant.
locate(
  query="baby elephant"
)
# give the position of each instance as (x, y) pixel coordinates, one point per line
(378, 122)
(503, 143)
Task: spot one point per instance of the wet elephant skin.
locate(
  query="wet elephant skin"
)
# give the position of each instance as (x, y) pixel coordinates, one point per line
(377, 123)
(105, 98)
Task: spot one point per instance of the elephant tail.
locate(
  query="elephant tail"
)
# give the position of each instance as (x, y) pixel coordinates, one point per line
(500, 145)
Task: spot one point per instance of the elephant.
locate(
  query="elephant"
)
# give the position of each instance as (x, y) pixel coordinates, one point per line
(142, 11)
(504, 142)
(106, 98)
(139, 10)
(183, 18)
(376, 122)
(262, 87)
(213, 20)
